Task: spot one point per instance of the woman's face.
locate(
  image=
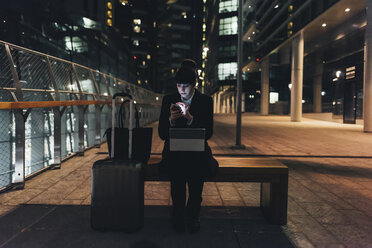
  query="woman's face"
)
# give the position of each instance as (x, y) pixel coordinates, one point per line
(185, 90)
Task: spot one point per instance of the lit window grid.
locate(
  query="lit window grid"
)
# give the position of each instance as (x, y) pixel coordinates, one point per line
(227, 71)
(228, 6)
(228, 26)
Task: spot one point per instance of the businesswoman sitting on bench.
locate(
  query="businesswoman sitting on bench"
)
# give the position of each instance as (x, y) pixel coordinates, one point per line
(187, 108)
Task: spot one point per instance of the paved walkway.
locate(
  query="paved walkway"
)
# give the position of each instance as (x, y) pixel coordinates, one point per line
(330, 194)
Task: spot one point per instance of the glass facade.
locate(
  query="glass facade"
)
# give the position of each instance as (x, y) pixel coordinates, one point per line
(228, 6)
(228, 26)
(227, 48)
(227, 71)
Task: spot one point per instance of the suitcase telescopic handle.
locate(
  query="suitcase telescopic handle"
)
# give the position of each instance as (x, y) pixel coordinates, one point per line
(131, 108)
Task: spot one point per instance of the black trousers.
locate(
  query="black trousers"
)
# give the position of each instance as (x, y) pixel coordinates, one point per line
(178, 193)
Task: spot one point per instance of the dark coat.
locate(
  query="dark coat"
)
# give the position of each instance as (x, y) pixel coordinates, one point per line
(201, 109)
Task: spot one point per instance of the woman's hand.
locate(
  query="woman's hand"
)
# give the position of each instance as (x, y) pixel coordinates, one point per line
(175, 112)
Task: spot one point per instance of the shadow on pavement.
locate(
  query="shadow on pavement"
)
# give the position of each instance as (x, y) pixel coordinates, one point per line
(69, 226)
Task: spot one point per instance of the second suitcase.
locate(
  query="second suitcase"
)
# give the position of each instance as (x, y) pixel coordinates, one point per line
(117, 195)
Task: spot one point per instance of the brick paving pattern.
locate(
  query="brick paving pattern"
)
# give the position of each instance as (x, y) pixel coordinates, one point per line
(330, 178)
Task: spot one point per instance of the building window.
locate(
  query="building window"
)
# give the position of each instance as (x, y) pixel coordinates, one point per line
(228, 26)
(227, 71)
(227, 48)
(228, 6)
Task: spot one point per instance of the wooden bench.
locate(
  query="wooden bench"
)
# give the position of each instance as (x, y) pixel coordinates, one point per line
(271, 173)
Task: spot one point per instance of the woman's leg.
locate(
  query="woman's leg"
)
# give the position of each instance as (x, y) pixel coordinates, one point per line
(195, 186)
(178, 193)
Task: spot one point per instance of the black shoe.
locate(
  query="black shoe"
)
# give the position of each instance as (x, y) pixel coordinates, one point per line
(193, 225)
(178, 224)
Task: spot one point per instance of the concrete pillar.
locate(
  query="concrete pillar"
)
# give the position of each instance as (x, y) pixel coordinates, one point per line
(224, 104)
(367, 88)
(317, 84)
(219, 103)
(265, 74)
(243, 102)
(228, 103)
(233, 105)
(215, 102)
(297, 77)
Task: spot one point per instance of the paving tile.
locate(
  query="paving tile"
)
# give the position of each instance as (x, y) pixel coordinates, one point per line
(27, 195)
(335, 201)
(313, 186)
(351, 235)
(234, 203)
(212, 200)
(325, 213)
(299, 239)
(248, 186)
(71, 202)
(303, 195)
(358, 218)
(5, 209)
(294, 208)
(362, 204)
(250, 198)
(315, 232)
(210, 188)
(151, 202)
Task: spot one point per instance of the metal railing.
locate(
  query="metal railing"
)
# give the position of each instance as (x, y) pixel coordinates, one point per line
(51, 109)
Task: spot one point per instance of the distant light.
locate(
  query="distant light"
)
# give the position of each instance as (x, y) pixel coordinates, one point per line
(105, 94)
(257, 59)
(249, 38)
(338, 73)
(253, 32)
(248, 69)
(85, 126)
(323, 93)
(109, 5)
(134, 57)
(276, 6)
(249, 6)
(335, 79)
(347, 10)
(148, 56)
(324, 25)
(333, 103)
(157, 98)
(303, 101)
(289, 86)
(4, 21)
(137, 21)
(134, 102)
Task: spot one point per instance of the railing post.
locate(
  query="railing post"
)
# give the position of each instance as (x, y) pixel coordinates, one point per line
(109, 106)
(81, 110)
(97, 141)
(57, 138)
(19, 170)
(18, 179)
(57, 122)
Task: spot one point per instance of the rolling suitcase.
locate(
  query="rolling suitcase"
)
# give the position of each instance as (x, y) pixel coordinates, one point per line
(117, 201)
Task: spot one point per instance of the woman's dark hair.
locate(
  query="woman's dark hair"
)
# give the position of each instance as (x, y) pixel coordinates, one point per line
(187, 73)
